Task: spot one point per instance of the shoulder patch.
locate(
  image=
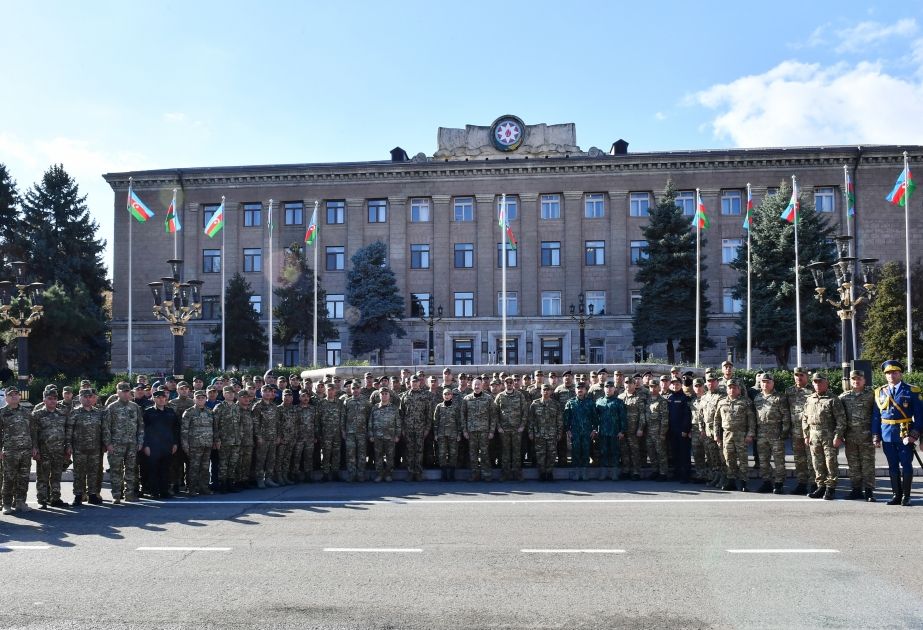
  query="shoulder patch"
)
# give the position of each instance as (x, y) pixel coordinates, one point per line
(915, 389)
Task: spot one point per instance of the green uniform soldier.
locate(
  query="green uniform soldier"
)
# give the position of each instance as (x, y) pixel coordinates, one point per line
(636, 411)
(546, 424)
(860, 450)
(797, 396)
(245, 471)
(580, 424)
(610, 415)
(658, 423)
(288, 434)
(331, 416)
(303, 453)
(266, 416)
(87, 447)
(356, 432)
(823, 422)
(714, 454)
(227, 436)
(737, 428)
(512, 411)
(385, 427)
(447, 428)
(198, 438)
(563, 393)
(123, 433)
(51, 435)
(15, 452)
(772, 423)
(180, 459)
(479, 417)
(417, 418)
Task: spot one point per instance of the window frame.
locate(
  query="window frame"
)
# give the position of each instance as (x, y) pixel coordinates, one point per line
(377, 210)
(512, 255)
(417, 204)
(641, 250)
(253, 260)
(825, 192)
(463, 209)
(550, 207)
(638, 205)
(465, 300)
(339, 257)
(420, 255)
(550, 299)
(734, 198)
(596, 250)
(726, 245)
(687, 197)
(253, 214)
(336, 308)
(214, 258)
(553, 249)
(594, 206)
(289, 208)
(467, 251)
(335, 209)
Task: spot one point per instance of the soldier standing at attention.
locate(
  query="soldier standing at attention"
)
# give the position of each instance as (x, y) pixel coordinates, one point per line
(245, 474)
(417, 419)
(635, 423)
(303, 454)
(512, 408)
(737, 428)
(51, 435)
(897, 420)
(679, 418)
(15, 452)
(356, 432)
(610, 417)
(563, 393)
(658, 424)
(161, 438)
(198, 438)
(331, 417)
(579, 423)
(824, 423)
(860, 451)
(87, 447)
(123, 433)
(447, 428)
(180, 404)
(772, 423)
(385, 425)
(266, 429)
(797, 396)
(227, 436)
(545, 427)
(288, 427)
(479, 420)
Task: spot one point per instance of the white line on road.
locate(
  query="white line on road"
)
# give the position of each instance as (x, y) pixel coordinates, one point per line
(783, 551)
(572, 550)
(183, 549)
(24, 547)
(477, 501)
(371, 550)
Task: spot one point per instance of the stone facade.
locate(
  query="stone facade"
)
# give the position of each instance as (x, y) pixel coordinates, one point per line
(447, 182)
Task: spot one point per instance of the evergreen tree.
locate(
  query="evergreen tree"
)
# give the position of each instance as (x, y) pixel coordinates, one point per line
(9, 218)
(294, 310)
(772, 263)
(371, 289)
(666, 312)
(884, 324)
(247, 343)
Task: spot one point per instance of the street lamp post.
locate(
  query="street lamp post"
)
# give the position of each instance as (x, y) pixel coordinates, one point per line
(846, 302)
(581, 314)
(431, 323)
(176, 302)
(21, 305)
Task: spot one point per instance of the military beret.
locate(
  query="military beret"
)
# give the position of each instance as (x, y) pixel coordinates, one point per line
(767, 376)
(12, 390)
(726, 363)
(636, 375)
(819, 376)
(610, 383)
(699, 382)
(857, 374)
(182, 384)
(567, 372)
(170, 379)
(67, 388)
(799, 370)
(200, 392)
(892, 366)
(688, 373)
(86, 392)
(647, 373)
(603, 371)
(581, 385)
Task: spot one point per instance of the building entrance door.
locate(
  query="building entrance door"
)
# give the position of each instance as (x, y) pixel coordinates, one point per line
(463, 351)
(552, 350)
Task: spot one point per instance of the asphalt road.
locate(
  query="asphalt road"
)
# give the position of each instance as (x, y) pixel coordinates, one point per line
(434, 555)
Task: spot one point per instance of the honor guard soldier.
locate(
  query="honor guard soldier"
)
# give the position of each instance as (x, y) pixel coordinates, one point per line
(897, 420)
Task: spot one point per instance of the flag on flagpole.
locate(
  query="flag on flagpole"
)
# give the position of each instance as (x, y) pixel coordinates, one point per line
(216, 222)
(790, 213)
(902, 190)
(700, 220)
(505, 226)
(850, 197)
(138, 208)
(171, 224)
(311, 235)
(749, 217)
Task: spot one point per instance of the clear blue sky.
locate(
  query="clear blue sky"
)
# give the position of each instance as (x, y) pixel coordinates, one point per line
(112, 86)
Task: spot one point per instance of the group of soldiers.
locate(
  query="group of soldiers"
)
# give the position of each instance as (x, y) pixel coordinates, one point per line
(277, 430)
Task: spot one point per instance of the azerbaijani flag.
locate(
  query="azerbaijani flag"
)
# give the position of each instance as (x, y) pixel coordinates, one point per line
(790, 213)
(749, 216)
(903, 188)
(311, 235)
(138, 208)
(850, 197)
(171, 224)
(700, 220)
(505, 226)
(216, 222)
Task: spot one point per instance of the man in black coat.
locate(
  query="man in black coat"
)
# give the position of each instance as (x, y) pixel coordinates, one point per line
(161, 437)
(680, 415)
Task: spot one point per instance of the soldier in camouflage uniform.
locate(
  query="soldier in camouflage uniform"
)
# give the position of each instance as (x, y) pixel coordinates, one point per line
(610, 415)
(51, 435)
(704, 471)
(417, 420)
(87, 447)
(736, 426)
(356, 432)
(824, 424)
(123, 433)
(288, 433)
(227, 436)
(714, 454)
(266, 417)
(245, 474)
(580, 423)
(15, 452)
(772, 423)
(447, 428)
(546, 423)
(636, 411)
(563, 393)
(385, 427)
(479, 417)
(331, 416)
(696, 435)
(197, 435)
(797, 396)
(658, 423)
(180, 460)
(860, 451)
(306, 438)
(512, 410)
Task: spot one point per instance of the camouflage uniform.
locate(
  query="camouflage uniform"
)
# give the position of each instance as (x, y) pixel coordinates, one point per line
(824, 420)
(331, 416)
(123, 432)
(51, 435)
(479, 415)
(87, 448)
(512, 409)
(546, 424)
(266, 417)
(356, 417)
(772, 423)
(579, 422)
(714, 454)
(416, 414)
(227, 434)
(447, 427)
(180, 459)
(658, 423)
(860, 451)
(384, 425)
(804, 467)
(562, 394)
(289, 417)
(247, 433)
(197, 437)
(304, 442)
(697, 438)
(610, 415)
(16, 445)
(636, 410)
(734, 422)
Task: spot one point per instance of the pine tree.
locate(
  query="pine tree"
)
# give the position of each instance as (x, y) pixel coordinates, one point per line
(371, 289)
(884, 324)
(294, 310)
(772, 263)
(9, 218)
(666, 312)
(247, 343)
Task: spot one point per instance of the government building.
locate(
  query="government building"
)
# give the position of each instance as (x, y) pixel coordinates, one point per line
(577, 216)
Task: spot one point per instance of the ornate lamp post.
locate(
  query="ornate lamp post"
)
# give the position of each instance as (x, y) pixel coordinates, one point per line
(431, 322)
(846, 302)
(21, 305)
(176, 302)
(581, 314)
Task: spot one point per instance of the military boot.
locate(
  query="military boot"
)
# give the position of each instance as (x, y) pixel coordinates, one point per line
(730, 484)
(765, 487)
(777, 489)
(829, 494)
(908, 483)
(855, 493)
(800, 489)
(870, 495)
(260, 484)
(814, 488)
(270, 483)
(817, 493)
(897, 490)
(452, 473)
(78, 500)
(743, 486)
(22, 506)
(95, 500)
(58, 503)
(7, 510)
(722, 480)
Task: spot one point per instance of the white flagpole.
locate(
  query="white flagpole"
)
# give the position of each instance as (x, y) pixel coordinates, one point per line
(270, 284)
(909, 366)
(316, 247)
(131, 282)
(698, 274)
(503, 275)
(224, 230)
(853, 247)
(797, 275)
(175, 232)
(749, 322)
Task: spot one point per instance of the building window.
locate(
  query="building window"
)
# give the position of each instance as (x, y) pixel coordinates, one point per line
(420, 304)
(336, 212)
(639, 204)
(464, 304)
(211, 261)
(730, 202)
(596, 299)
(419, 256)
(294, 213)
(208, 211)
(464, 255)
(551, 254)
(512, 256)
(730, 303)
(729, 247)
(594, 206)
(512, 206)
(772, 191)
(464, 209)
(597, 350)
(253, 259)
(637, 251)
(256, 303)
(291, 356)
(211, 307)
(824, 199)
(334, 353)
(378, 210)
(253, 214)
(594, 253)
(336, 258)
(335, 303)
(685, 201)
(551, 206)
(512, 304)
(635, 301)
(551, 303)
(419, 210)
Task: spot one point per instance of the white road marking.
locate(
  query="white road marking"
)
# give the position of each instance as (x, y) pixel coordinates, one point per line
(371, 550)
(477, 501)
(572, 550)
(24, 547)
(783, 551)
(183, 549)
